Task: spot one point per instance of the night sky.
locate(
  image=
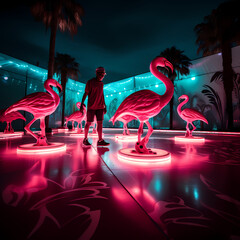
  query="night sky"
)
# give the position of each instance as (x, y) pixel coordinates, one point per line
(122, 36)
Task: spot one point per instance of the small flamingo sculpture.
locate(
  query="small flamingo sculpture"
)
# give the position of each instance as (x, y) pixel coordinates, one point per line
(146, 104)
(40, 104)
(8, 118)
(189, 115)
(77, 117)
(125, 120)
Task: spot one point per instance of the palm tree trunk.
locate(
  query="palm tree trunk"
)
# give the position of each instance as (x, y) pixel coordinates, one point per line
(64, 83)
(51, 57)
(171, 107)
(52, 47)
(228, 81)
(171, 113)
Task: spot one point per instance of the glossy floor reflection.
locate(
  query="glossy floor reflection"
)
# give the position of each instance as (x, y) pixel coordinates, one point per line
(87, 193)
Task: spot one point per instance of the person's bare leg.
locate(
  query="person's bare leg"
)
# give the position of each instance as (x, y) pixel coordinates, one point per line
(99, 129)
(86, 128)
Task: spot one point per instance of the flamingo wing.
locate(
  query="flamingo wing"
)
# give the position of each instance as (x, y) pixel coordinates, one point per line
(14, 115)
(143, 105)
(193, 115)
(76, 116)
(35, 103)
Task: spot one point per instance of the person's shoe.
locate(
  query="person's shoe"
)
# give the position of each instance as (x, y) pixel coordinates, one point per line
(86, 143)
(102, 143)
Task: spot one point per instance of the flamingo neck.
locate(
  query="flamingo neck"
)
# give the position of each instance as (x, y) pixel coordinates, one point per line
(166, 97)
(55, 96)
(181, 104)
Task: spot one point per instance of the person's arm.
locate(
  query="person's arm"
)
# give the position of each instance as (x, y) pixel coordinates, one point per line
(84, 97)
(82, 102)
(105, 109)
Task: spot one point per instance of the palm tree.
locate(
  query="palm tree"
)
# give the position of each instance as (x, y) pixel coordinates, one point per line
(215, 100)
(218, 33)
(62, 14)
(181, 64)
(65, 66)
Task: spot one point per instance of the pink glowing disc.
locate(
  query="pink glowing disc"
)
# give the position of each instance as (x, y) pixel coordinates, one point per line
(53, 147)
(62, 130)
(130, 155)
(94, 135)
(80, 135)
(189, 139)
(126, 138)
(11, 135)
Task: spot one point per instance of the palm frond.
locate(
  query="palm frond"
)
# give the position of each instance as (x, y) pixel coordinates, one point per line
(214, 99)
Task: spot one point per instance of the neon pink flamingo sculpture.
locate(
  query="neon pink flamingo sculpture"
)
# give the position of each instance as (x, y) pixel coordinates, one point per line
(8, 118)
(125, 120)
(77, 117)
(146, 104)
(189, 115)
(40, 104)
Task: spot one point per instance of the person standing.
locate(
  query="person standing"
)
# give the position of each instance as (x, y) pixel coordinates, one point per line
(96, 106)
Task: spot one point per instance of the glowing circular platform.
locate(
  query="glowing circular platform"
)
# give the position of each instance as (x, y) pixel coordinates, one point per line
(189, 139)
(53, 147)
(126, 138)
(11, 135)
(80, 135)
(94, 135)
(62, 130)
(158, 156)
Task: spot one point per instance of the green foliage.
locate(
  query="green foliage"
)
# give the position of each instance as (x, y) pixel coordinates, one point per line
(214, 99)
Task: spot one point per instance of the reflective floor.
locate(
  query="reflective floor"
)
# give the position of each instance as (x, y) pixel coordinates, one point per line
(88, 193)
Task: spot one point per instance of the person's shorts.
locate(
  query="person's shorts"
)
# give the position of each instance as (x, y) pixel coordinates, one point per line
(98, 113)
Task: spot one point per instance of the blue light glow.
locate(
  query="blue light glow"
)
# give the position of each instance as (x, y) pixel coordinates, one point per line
(158, 185)
(193, 78)
(195, 194)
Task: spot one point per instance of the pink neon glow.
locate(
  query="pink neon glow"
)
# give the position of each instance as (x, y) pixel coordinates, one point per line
(189, 139)
(138, 192)
(8, 118)
(146, 104)
(10, 135)
(125, 119)
(160, 158)
(40, 104)
(126, 138)
(189, 115)
(32, 149)
(77, 117)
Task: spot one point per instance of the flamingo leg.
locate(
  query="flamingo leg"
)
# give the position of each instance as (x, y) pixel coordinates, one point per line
(141, 146)
(27, 128)
(10, 128)
(127, 130)
(188, 131)
(79, 130)
(140, 131)
(192, 129)
(81, 127)
(72, 125)
(42, 140)
(124, 129)
(6, 129)
(94, 128)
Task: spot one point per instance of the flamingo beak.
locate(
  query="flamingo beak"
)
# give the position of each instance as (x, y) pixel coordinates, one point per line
(179, 99)
(168, 64)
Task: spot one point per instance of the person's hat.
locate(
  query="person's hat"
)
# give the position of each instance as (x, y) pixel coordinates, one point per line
(100, 69)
